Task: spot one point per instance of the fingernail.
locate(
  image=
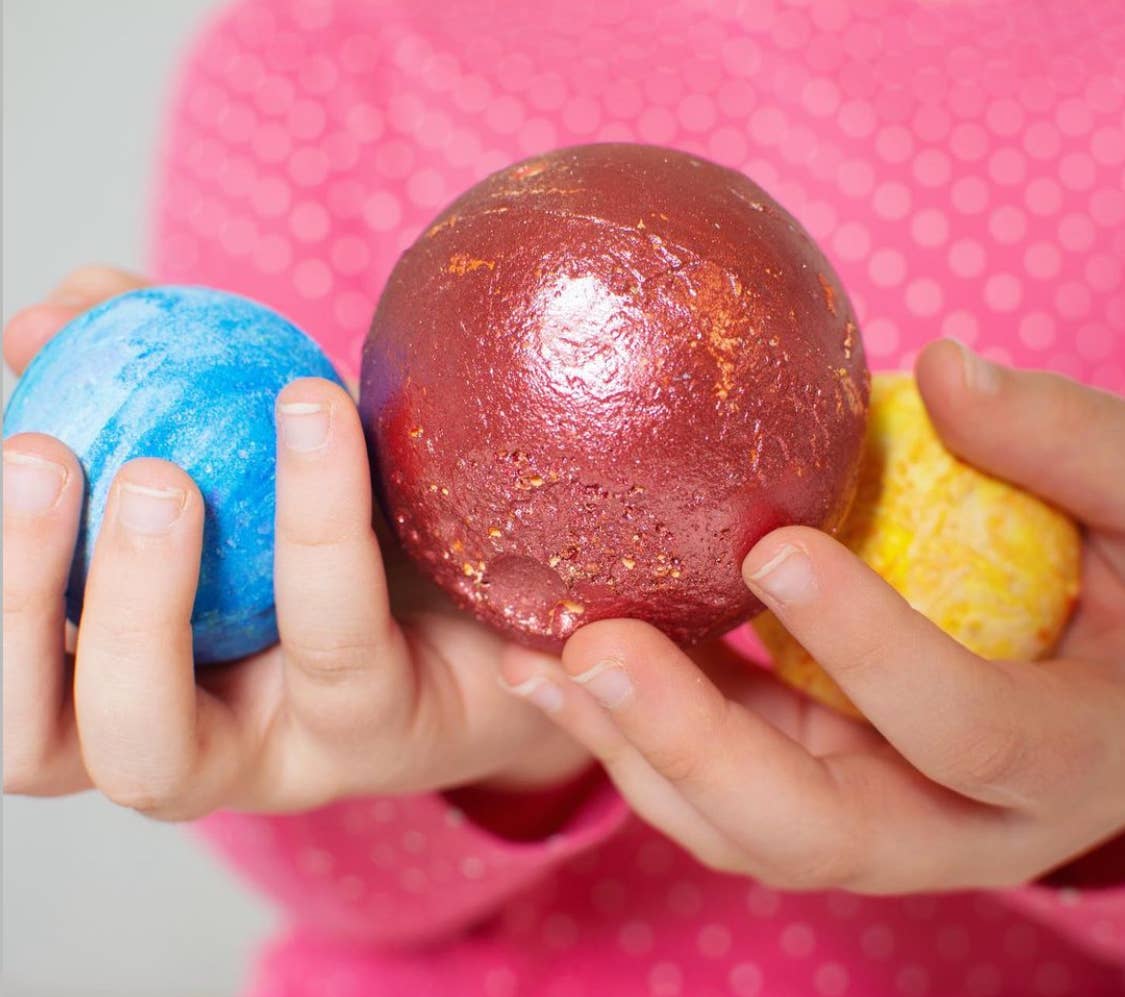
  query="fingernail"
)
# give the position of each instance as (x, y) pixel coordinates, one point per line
(304, 425)
(540, 691)
(31, 484)
(787, 577)
(980, 375)
(608, 683)
(149, 510)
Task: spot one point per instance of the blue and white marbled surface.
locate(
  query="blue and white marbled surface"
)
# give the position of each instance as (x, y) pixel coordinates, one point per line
(190, 375)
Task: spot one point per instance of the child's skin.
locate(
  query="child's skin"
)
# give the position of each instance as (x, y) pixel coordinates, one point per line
(980, 773)
(353, 701)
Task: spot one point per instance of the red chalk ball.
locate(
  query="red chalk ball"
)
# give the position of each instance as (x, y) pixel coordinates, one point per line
(597, 379)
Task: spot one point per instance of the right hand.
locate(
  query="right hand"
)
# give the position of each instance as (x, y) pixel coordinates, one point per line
(354, 700)
(974, 774)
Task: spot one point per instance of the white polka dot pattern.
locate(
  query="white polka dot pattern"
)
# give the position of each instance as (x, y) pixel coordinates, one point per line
(944, 174)
(962, 163)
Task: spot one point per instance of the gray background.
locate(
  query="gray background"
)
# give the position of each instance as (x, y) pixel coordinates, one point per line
(96, 899)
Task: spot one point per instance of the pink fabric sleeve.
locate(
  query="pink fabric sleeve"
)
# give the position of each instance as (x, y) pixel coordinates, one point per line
(965, 179)
(1093, 919)
(408, 870)
(1083, 901)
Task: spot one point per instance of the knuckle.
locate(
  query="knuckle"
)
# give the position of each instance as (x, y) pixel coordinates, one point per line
(29, 601)
(812, 872)
(157, 776)
(727, 861)
(33, 755)
(120, 637)
(23, 773)
(829, 869)
(152, 772)
(999, 757)
(20, 601)
(151, 796)
(319, 534)
(822, 862)
(136, 797)
(681, 756)
(679, 763)
(992, 762)
(329, 658)
(99, 279)
(869, 658)
(837, 852)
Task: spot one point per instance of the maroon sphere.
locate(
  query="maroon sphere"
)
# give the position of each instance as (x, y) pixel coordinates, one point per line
(597, 379)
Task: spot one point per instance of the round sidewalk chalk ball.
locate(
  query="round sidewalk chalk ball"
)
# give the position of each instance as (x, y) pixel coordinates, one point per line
(189, 375)
(995, 567)
(631, 364)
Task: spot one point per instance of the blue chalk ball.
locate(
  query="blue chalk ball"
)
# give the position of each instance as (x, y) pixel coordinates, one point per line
(190, 375)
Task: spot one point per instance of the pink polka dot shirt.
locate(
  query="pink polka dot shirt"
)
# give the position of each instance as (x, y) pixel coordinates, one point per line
(962, 162)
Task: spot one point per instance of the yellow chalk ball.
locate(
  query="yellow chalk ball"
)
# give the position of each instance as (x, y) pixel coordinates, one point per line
(993, 566)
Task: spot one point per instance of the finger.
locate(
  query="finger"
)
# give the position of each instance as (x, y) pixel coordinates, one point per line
(1041, 431)
(29, 330)
(1004, 733)
(345, 656)
(755, 784)
(149, 741)
(858, 819)
(42, 500)
(91, 285)
(653, 797)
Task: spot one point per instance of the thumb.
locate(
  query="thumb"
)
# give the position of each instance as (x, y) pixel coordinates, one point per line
(1040, 431)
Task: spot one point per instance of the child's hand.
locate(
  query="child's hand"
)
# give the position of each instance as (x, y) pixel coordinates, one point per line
(352, 701)
(985, 773)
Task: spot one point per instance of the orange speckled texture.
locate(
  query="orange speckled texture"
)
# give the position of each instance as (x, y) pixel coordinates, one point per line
(597, 379)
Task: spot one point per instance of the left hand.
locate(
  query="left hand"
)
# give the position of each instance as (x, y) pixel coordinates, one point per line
(973, 774)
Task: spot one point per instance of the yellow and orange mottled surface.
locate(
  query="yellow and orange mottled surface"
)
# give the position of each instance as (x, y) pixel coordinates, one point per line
(993, 566)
